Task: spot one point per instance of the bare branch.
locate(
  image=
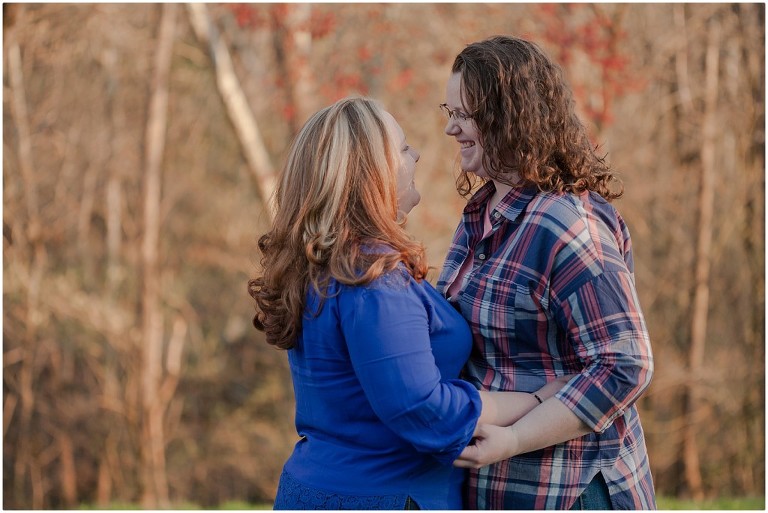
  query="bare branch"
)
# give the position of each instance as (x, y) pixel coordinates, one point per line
(237, 105)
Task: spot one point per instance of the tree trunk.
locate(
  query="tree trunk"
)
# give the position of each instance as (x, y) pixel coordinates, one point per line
(30, 248)
(293, 46)
(114, 197)
(155, 491)
(239, 111)
(68, 471)
(703, 264)
(753, 463)
(681, 61)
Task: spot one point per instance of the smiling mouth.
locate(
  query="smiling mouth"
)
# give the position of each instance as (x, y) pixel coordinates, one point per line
(467, 144)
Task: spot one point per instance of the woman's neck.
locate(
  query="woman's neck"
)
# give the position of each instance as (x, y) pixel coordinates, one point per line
(501, 190)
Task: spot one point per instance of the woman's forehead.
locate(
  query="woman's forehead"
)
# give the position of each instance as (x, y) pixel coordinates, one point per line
(393, 126)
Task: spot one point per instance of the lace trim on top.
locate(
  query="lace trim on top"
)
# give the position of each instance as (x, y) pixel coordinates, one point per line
(292, 494)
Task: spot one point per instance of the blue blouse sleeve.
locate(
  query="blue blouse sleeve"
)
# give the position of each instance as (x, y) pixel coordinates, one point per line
(386, 327)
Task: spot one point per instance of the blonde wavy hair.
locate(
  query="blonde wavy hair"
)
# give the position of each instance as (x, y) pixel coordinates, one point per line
(336, 216)
(524, 112)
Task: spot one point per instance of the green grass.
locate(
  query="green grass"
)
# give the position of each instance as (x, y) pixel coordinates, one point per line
(112, 506)
(725, 503)
(244, 505)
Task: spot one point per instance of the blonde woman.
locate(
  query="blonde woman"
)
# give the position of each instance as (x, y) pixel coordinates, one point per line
(374, 350)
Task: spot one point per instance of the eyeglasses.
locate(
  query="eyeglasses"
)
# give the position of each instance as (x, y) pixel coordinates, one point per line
(454, 114)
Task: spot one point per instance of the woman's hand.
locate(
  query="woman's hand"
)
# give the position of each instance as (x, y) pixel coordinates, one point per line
(491, 444)
(553, 423)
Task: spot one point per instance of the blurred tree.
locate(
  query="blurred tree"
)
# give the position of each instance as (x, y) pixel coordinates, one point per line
(706, 205)
(589, 42)
(157, 385)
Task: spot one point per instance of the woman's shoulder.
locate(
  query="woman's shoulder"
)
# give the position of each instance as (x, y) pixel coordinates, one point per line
(581, 227)
(550, 202)
(553, 212)
(388, 296)
(397, 280)
(394, 290)
(569, 208)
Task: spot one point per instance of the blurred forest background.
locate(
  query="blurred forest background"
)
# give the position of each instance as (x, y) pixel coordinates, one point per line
(139, 143)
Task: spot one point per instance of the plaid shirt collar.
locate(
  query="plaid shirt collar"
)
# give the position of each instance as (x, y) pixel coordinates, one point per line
(511, 206)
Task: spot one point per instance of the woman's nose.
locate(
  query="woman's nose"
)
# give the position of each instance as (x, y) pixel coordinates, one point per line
(452, 127)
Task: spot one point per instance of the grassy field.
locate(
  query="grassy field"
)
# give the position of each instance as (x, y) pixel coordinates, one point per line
(735, 503)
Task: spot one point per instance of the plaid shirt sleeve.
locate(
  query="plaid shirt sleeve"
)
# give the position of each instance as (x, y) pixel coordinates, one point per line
(604, 325)
(595, 304)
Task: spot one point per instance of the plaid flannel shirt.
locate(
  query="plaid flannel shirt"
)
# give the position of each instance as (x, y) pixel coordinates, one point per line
(551, 292)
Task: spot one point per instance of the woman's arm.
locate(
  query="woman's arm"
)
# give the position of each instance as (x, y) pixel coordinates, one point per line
(506, 408)
(386, 329)
(547, 424)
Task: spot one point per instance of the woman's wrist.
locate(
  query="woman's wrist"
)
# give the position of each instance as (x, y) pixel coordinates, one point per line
(513, 442)
(553, 387)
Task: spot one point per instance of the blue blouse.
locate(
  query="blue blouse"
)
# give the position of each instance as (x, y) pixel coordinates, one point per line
(380, 410)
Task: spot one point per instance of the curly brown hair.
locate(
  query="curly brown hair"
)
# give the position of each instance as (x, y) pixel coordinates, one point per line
(337, 217)
(524, 111)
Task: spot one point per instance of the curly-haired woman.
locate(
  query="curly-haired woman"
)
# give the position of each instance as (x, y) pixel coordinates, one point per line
(374, 350)
(541, 267)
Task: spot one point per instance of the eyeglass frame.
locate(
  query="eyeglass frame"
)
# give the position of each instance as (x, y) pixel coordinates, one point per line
(454, 113)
